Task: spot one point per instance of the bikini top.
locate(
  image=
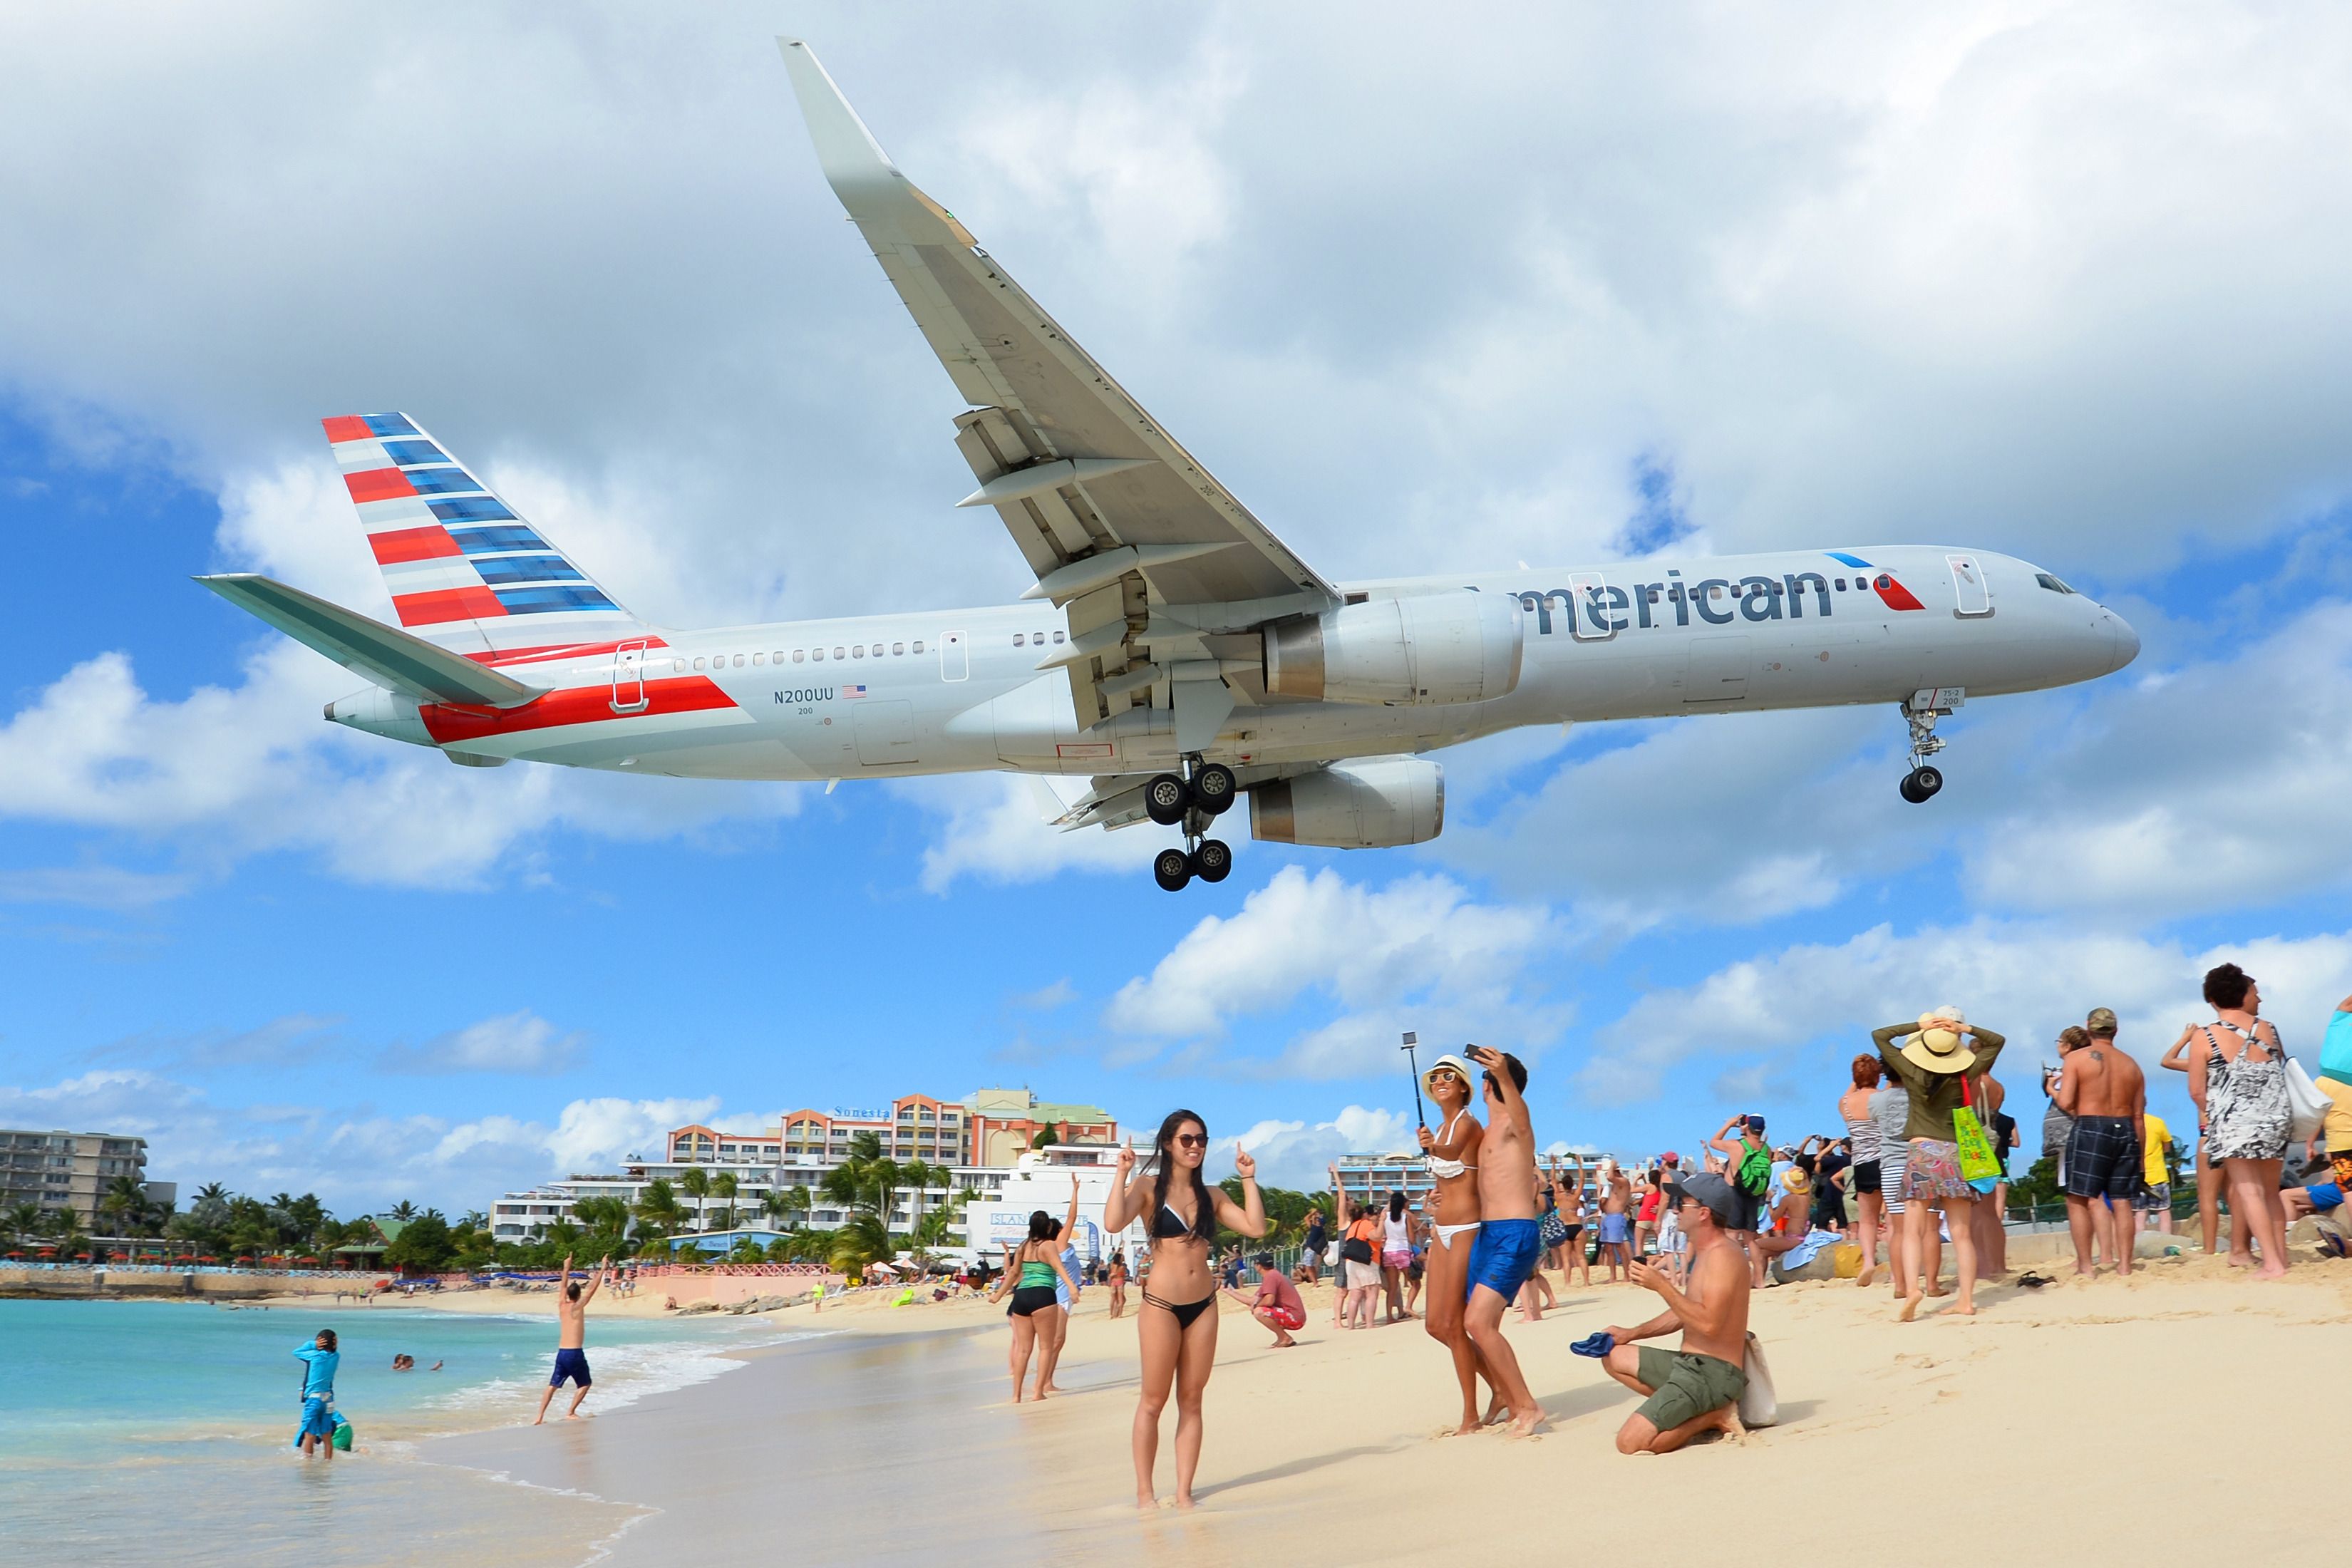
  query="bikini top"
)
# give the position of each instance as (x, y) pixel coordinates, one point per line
(1447, 1169)
(1169, 1225)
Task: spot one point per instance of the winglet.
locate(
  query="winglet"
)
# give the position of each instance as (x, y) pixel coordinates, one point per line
(886, 205)
(386, 655)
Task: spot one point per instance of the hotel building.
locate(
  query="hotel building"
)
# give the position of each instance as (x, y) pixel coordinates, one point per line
(73, 1170)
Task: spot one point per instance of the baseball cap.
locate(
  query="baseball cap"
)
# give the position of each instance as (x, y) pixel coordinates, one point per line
(2101, 1021)
(1670, 1158)
(1756, 1124)
(1712, 1192)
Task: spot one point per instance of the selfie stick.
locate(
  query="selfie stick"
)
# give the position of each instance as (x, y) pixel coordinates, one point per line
(1411, 1040)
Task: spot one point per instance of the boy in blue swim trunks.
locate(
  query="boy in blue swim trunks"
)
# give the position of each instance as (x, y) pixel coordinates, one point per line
(320, 1359)
(1509, 1242)
(571, 1339)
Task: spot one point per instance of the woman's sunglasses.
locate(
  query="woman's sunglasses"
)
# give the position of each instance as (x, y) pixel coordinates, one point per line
(1193, 1140)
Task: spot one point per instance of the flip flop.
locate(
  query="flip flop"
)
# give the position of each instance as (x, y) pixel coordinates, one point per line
(1594, 1345)
(2033, 1281)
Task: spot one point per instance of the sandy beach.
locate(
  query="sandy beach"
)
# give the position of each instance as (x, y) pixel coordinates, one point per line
(2105, 1401)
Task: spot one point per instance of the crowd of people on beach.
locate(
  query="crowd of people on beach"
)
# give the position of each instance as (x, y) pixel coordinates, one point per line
(1923, 1157)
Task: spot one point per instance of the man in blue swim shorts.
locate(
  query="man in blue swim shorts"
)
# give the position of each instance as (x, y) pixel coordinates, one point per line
(320, 1359)
(1510, 1240)
(570, 1355)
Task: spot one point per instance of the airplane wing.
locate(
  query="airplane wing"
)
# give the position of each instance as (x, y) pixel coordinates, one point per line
(1113, 515)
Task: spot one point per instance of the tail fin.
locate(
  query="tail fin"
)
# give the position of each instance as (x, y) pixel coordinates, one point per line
(466, 572)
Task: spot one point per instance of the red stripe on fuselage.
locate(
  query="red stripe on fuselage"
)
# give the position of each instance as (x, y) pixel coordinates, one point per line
(1896, 595)
(398, 544)
(447, 605)
(558, 650)
(377, 484)
(345, 427)
(579, 705)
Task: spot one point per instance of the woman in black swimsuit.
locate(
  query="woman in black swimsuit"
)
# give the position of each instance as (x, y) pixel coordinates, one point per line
(1177, 1328)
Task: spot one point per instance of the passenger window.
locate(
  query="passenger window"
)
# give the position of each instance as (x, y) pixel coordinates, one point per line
(1037, 638)
(679, 664)
(778, 656)
(797, 655)
(838, 653)
(918, 645)
(817, 654)
(759, 658)
(1017, 639)
(896, 648)
(857, 650)
(1057, 639)
(1884, 582)
(698, 664)
(1841, 584)
(738, 662)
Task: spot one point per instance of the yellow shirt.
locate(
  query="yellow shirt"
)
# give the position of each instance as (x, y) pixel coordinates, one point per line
(2158, 1135)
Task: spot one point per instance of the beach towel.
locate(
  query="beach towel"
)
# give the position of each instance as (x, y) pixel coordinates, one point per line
(1796, 1257)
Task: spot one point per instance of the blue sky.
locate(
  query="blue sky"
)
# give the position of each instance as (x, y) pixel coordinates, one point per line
(1614, 282)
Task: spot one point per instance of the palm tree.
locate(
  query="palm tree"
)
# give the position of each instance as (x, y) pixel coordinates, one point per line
(782, 1203)
(126, 1204)
(214, 1192)
(723, 1188)
(863, 1239)
(64, 1230)
(695, 1184)
(659, 1206)
(22, 1222)
(402, 1211)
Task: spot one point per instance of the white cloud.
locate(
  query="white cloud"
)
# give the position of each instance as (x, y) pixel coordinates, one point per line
(93, 886)
(1299, 1154)
(2026, 980)
(356, 1161)
(519, 1042)
(996, 831)
(1417, 954)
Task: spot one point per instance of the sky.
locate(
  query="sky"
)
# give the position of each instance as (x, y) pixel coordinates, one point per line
(1558, 284)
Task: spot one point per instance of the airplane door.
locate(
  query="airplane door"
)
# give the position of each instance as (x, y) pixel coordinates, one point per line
(884, 732)
(1718, 670)
(1972, 593)
(1587, 607)
(629, 678)
(955, 656)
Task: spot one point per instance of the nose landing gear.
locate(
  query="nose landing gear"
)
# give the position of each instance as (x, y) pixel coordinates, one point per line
(1206, 793)
(1922, 708)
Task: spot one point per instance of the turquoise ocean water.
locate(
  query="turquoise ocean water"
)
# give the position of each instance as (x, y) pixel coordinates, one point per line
(126, 1424)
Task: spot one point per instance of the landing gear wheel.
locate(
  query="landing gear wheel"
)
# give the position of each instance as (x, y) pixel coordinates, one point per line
(1165, 799)
(1909, 791)
(1922, 783)
(1213, 788)
(1171, 868)
(1213, 860)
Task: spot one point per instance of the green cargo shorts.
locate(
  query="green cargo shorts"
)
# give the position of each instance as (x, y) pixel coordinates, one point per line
(1688, 1385)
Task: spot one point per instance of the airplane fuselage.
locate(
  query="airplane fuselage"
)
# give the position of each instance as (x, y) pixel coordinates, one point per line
(938, 691)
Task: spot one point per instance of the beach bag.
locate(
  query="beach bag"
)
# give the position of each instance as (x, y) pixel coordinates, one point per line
(2308, 1109)
(1355, 1249)
(1979, 1163)
(1553, 1231)
(1331, 1255)
(1759, 1405)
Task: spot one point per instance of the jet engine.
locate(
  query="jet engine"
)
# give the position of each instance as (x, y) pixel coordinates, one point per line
(1457, 646)
(1353, 806)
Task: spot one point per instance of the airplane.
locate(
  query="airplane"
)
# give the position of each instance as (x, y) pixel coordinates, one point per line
(1173, 655)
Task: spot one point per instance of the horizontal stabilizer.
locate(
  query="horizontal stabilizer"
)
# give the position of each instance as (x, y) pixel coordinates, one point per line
(385, 655)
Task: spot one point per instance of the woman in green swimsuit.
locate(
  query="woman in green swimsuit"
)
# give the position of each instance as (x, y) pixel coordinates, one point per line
(1031, 1272)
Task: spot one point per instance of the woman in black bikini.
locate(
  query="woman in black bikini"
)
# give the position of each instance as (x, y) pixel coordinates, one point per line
(1177, 1327)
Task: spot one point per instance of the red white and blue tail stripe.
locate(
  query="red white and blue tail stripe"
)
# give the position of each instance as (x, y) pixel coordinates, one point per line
(464, 570)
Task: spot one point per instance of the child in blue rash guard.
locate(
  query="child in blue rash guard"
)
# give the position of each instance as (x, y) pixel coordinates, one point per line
(320, 1359)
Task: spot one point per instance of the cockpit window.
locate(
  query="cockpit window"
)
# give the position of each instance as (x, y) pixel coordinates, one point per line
(2052, 584)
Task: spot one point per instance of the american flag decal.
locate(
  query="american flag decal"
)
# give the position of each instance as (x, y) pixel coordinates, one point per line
(853, 692)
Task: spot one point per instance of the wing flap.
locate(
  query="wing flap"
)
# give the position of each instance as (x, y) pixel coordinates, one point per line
(385, 655)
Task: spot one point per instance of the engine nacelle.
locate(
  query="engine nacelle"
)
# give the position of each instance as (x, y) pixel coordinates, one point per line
(1457, 646)
(1353, 806)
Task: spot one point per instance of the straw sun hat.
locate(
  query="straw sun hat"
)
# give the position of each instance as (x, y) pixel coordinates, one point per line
(1454, 1064)
(1937, 1046)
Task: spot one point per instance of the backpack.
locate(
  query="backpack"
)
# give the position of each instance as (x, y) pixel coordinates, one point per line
(1755, 1176)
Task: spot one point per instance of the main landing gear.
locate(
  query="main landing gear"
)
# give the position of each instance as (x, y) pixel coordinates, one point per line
(1922, 709)
(1204, 793)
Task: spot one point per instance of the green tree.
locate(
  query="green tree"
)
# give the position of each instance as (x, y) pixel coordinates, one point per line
(860, 1239)
(1047, 1135)
(786, 1206)
(423, 1245)
(695, 1184)
(723, 1186)
(2039, 1186)
(66, 1233)
(658, 1205)
(402, 1211)
(126, 1206)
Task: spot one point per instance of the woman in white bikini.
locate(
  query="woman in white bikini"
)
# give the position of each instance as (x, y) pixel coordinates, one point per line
(1452, 1155)
(1177, 1328)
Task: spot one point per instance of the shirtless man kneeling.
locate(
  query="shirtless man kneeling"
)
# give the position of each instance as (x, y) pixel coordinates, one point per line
(1696, 1389)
